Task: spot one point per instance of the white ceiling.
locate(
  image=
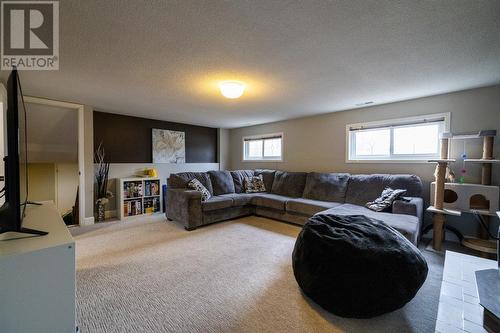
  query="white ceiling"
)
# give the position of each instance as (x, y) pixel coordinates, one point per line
(162, 59)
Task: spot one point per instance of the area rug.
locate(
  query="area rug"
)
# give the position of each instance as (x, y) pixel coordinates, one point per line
(150, 275)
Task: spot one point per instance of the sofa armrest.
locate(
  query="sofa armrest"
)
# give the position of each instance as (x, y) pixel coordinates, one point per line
(409, 206)
(184, 206)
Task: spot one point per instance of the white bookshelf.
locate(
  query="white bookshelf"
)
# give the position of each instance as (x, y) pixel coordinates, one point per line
(138, 197)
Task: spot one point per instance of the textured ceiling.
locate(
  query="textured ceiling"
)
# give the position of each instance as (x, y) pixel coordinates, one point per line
(162, 59)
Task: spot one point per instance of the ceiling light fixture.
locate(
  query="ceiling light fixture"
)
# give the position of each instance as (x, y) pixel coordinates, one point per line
(232, 89)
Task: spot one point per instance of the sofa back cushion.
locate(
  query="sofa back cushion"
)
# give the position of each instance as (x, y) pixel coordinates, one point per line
(290, 184)
(222, 182)
(181, 179)
(268, 176)
(326, 186)
(239, 178)
(364, 188)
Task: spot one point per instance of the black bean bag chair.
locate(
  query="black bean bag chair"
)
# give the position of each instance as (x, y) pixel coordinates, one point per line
(355, 266)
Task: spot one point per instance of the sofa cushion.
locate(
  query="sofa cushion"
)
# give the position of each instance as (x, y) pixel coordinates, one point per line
(308, 206)
(326, 186)
(270, 200)
(408, 225)
(385, 200)
(216, 202)
(181, 179)
(238, 179)
(196, 185)
(290, 184)
(240, 199)
(364, 188)
(268, 176)
(254, 184)
(222, 182)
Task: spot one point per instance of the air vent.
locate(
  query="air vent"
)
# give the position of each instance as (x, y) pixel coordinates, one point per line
(363, 104)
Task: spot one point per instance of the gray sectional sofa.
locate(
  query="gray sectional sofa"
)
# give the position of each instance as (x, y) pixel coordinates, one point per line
(293, 197)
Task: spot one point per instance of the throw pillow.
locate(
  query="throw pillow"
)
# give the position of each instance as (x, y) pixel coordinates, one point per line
(254, 184)
(195, 184)
(385, 200)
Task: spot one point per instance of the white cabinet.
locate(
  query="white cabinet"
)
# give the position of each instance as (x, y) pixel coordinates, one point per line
(37, 276)
(138, 196)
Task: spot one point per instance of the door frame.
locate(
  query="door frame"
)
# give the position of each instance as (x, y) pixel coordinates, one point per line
(81, 145)
(3, 100)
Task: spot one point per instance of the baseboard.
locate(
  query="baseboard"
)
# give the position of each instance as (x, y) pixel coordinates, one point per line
(88, 220)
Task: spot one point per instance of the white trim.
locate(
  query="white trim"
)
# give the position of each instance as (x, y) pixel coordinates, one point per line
(56, 186)
(51, 102)
(263, 136)
(3, 100)
(81, 147)
(81, 163)
(389, 123)
(87, 221)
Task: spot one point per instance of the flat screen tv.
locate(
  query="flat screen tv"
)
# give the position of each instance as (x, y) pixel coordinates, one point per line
(15, 191)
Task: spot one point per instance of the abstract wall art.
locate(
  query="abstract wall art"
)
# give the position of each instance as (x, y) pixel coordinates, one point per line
(169, 146)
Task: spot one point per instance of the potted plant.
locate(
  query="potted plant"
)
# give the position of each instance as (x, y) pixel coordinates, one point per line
(101, 179)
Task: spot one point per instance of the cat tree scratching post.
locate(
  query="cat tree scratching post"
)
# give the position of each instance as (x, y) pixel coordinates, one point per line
(482, 244)
(479, 199)
(487, 155)
(437, 209)
(439, 219)
(486, 174)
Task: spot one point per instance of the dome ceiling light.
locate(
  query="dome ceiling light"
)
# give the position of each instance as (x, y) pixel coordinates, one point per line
(232, 89)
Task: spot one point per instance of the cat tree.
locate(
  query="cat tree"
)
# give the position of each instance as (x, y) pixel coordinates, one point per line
(457, 198)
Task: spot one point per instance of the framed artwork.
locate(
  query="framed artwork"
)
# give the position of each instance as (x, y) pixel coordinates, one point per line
(169, 146)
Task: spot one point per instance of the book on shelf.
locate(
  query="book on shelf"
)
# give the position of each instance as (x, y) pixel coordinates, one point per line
(151, 188)
(139, 196)
(152, 205)
(132, 189)
(132, 207)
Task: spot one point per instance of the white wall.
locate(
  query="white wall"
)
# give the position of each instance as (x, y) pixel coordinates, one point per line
(318, 143)
(88, 157)
(223, 149)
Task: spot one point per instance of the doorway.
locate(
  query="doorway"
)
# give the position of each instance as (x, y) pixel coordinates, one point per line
(61, 169)
(53, 157)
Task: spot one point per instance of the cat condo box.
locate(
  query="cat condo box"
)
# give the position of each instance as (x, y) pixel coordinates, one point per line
(469, 197)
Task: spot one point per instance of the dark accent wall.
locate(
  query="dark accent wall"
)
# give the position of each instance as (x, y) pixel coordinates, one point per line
(128, 139)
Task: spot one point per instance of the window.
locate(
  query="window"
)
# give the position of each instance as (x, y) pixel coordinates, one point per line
(408, 139)
(267, 147)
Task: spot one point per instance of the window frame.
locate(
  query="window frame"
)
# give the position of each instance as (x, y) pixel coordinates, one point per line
(262, 137)
(350, 157)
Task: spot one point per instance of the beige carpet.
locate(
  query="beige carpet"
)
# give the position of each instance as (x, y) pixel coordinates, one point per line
(149, 275)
